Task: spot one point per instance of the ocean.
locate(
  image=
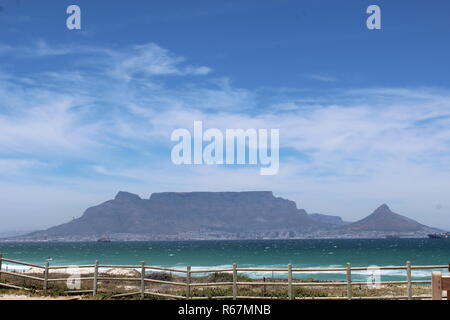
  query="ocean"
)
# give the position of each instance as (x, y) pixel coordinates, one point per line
(249, 253)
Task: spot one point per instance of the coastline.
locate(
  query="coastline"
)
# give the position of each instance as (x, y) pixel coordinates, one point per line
(210, 254)
(361, 275)
(143, 238)
(213, 284)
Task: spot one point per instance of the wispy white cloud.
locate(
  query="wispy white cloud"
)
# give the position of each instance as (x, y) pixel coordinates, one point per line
(10, 167)
(46, 127)
(149, 60)
(360, 146)
(322, 77)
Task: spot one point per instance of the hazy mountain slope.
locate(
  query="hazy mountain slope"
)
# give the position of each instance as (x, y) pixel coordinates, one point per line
(172, 213)
(328, 219)
(220, 215)
(383, 219)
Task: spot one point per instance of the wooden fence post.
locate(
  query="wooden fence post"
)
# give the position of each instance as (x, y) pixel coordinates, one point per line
(234, 281)
(188, 282)
(46, 276)
(290, 281)
(264, 286)
(142, 280)
(349, 280)
(94, 286)
(408, 279)
(1, 257)
(436, 285)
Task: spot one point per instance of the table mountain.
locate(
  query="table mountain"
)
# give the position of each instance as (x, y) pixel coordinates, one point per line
(328, 219)
(172, 215)
(220, 215)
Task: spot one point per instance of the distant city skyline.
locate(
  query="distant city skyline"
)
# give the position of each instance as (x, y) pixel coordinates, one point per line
(364, 115)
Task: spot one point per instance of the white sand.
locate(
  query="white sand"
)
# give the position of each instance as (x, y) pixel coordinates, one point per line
(83, 271)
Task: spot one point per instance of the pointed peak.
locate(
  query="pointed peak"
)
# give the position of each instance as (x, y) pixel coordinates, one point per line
(122, 195)
(383, 208)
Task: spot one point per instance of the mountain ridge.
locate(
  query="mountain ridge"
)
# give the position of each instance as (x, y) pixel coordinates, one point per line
(218, 215)
(384, 219)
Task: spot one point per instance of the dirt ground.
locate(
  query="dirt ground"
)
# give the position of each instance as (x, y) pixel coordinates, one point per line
(24, 297)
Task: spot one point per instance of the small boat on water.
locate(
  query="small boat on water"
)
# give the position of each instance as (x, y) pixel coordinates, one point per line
(104, 239)
(443, 235)
(392, 236)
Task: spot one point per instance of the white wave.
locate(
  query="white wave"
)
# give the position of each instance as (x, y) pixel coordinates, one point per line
(361, 274)
(358, 275)
(14, 267)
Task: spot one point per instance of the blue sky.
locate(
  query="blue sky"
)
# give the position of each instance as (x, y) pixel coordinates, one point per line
(363, 115)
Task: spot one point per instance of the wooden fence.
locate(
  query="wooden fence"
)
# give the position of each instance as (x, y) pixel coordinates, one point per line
(440, 283)
(188, 284)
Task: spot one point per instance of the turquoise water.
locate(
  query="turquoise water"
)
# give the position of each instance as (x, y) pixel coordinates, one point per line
(258, 253)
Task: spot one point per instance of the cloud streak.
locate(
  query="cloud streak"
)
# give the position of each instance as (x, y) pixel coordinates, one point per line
(107, 126)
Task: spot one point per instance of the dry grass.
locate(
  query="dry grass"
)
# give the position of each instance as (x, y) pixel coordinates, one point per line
(108, 288)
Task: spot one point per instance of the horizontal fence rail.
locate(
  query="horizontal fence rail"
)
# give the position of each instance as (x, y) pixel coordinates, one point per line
(189, 283)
